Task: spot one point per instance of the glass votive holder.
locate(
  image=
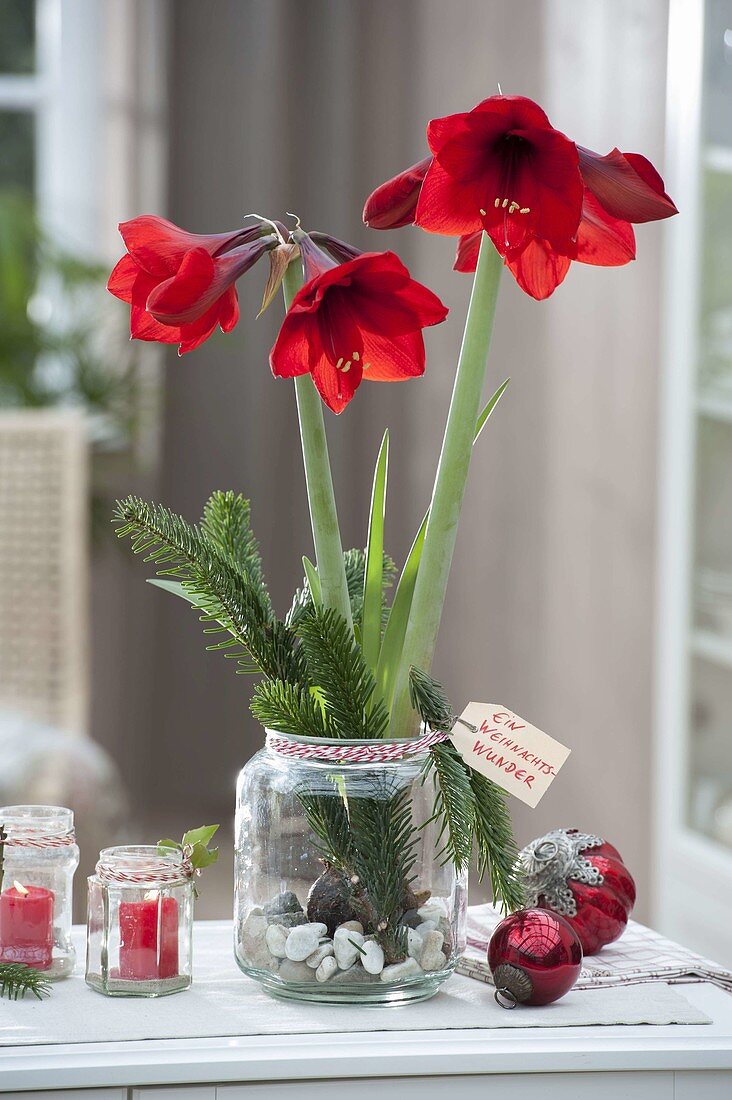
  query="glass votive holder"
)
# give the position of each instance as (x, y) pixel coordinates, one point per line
(39, 858)
(140, 922)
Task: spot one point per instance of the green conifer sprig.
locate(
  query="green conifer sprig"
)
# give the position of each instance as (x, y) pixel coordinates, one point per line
(354, 561)
(289, 708)
(17, 979)
(225, 595)
(345, 683)
(227, 524)
(474, 798)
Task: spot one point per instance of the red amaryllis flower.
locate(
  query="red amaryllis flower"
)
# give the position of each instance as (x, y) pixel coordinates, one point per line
(180, 285)
(538, 269)
(488, 163)
(394, 203)
(355, 320)
(501, 167)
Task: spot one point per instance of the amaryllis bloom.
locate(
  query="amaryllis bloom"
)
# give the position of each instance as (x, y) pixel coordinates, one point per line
(180, 285)
(354, 320)
(543, 200)
(538, 269)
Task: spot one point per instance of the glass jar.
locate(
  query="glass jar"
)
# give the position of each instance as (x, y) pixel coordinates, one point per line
(140, 922)
(40, 856)
(341, 890)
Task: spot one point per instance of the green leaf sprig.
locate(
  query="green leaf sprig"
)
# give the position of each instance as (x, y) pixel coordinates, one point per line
(194, 846)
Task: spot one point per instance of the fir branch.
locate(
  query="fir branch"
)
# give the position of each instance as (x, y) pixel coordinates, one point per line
(491, 829)
(17, 979)
(384, 849)
(337, 667)
(454, 804)
(497, 851)
(226, 523)
(327, 816)
(289, 708)
(430, 701)
(225, 596)
(355, 564)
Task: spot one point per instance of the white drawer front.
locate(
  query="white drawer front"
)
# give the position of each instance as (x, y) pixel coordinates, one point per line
(499, 1086)
(704, 1085)
(67, 1094)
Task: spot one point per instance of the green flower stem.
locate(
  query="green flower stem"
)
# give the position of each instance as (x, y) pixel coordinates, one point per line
(319, 481)
(449, 489)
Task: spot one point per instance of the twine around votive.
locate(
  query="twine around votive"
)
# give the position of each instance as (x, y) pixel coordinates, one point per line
(155, 874)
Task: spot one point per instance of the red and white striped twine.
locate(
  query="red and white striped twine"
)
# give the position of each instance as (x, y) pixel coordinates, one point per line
(367, 752)
(153, 875)
(40, 840)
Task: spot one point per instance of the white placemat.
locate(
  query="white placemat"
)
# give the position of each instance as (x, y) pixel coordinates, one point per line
(638, 957)
(223, 1001)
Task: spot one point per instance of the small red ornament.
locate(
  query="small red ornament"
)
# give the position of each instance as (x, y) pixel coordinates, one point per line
(582, 878)
(535, 957)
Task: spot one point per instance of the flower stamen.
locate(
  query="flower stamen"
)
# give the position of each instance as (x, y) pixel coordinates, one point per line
(512, 205)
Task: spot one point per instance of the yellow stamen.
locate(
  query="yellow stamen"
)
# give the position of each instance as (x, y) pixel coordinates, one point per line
(367, 366)
(338, 364)
(482, 212)
(497, 203)
(346, 367)
(355, 356)
(504, 204)
(525, 210)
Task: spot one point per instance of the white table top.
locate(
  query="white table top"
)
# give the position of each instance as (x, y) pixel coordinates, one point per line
(379, 1054)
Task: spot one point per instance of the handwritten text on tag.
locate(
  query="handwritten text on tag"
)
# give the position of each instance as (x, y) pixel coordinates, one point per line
(516, 755)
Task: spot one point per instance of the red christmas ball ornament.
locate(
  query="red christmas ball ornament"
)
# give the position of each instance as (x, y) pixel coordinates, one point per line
(582, 878)
(535, 958)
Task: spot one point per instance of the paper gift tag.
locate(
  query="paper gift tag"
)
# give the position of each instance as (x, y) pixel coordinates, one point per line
(516, 755)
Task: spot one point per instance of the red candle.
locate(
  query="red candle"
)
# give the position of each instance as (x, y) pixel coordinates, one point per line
(26, 925)
(148, 939)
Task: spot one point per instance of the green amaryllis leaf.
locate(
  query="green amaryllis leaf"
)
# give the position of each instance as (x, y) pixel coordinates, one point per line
(311, 573)
(202, 857)
(373, 576)
(483, 418)
(203, 835)
(396, 627)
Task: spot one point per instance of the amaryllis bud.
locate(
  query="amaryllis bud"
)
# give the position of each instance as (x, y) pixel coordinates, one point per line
(314, 260)
(394, 203)
(341, 251)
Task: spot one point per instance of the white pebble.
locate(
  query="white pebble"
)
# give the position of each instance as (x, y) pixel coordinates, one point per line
(303, 940)
(426, 926)
(276, 937)
(326, 969)
(346, 947)
(295, 971)
(317, 957)
(372, 959)
(353, 925)
(414, 944)
(432, 956)
(432, 911)
(410, 968)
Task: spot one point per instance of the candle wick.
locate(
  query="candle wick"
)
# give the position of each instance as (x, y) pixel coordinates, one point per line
(21, 888)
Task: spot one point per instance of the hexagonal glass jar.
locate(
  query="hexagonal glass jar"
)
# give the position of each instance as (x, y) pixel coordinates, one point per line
(325, 844)
(139, 922)
(40, 858)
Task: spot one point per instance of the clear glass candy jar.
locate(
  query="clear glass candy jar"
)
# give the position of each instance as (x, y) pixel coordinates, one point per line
(341, 893)
(40, 857)
(140, 922)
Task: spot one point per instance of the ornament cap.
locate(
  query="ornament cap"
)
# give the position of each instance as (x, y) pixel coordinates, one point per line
(513, 985)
